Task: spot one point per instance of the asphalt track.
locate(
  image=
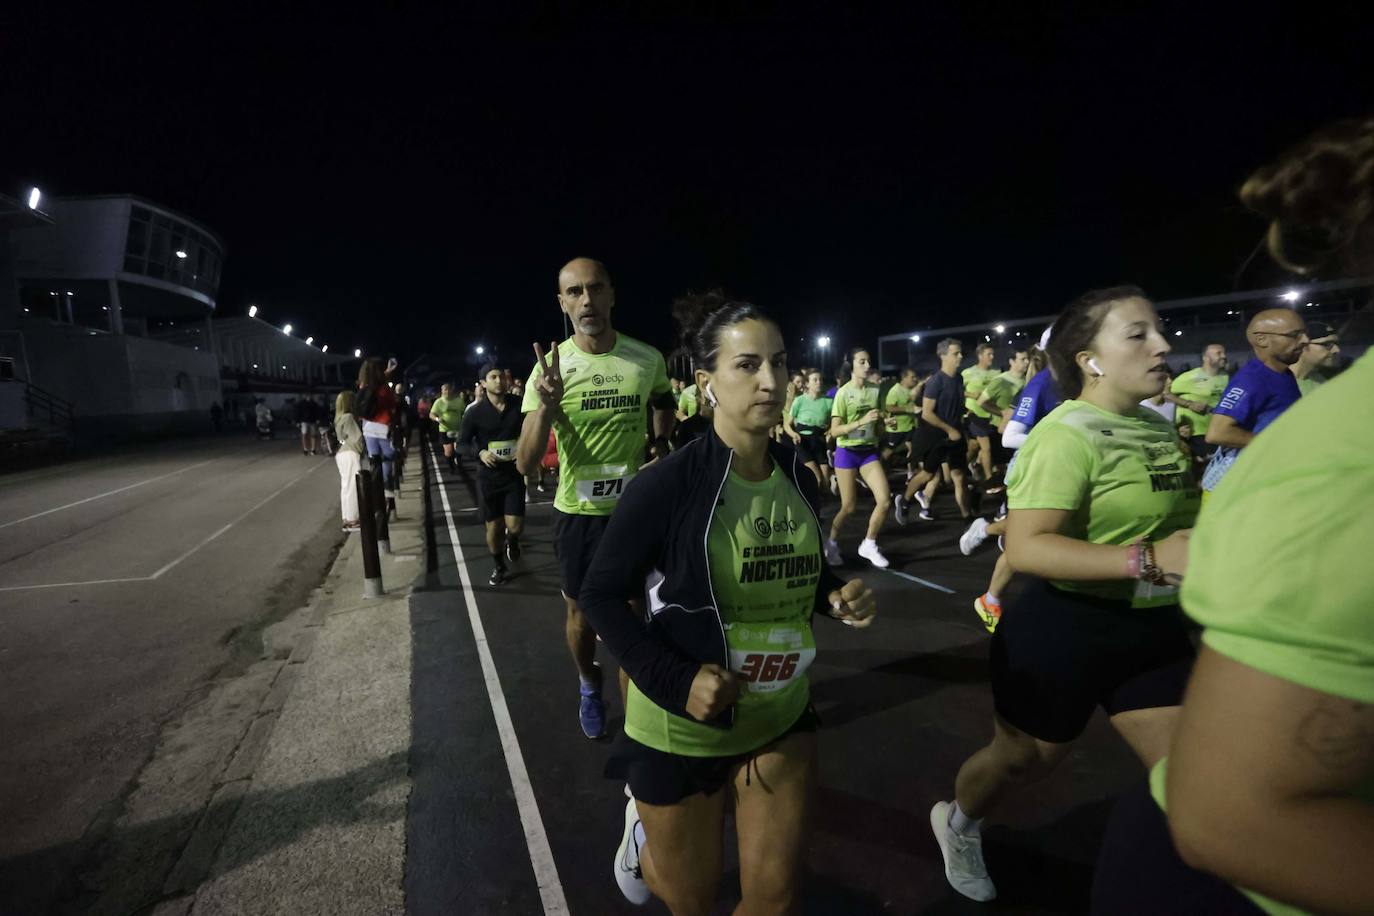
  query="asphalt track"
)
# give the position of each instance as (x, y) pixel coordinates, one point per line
(129, 583)
(902, 704)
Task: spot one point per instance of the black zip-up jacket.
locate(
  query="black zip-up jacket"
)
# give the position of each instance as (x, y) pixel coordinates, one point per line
(655, 547)
(484, 424)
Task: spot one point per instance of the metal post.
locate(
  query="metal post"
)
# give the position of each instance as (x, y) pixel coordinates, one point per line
(372, 564)
(378, 501)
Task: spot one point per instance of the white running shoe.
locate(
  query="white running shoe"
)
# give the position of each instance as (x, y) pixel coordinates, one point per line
(899, 509)
(627, 874)
(870, 552)
(976, 534)
(921, 498)
(963, 856)
(832, 553)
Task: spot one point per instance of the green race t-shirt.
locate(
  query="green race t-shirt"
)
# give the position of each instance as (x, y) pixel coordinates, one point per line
(687, 401)
(1197, 385)
(601, 435)
(851, 403)
(1310, 384)
(448, 412)
(1122, 478)
(1002, 392)
(1276, 569)
(975, 380)
(900, 396)
(765, 560)
(809, 411)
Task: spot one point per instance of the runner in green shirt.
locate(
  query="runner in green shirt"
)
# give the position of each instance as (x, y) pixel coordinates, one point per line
(999, 395)
(902, 404)
(854, 422)
(1101, 500)
(807, 424)
(1319, 357)
(979, 422)
(595, 389)
(1197, 392)
(447, 411)
(687, 402)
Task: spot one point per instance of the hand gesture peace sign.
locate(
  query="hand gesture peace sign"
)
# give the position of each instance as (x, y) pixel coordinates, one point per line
(550, 382)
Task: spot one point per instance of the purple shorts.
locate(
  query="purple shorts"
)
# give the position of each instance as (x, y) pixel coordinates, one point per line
(851, 459)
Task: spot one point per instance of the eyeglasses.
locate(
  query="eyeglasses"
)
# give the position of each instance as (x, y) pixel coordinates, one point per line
(1328, 344)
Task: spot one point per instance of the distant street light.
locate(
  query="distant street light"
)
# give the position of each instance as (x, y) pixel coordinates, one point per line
(357, 354)
(480, 350)
(286, 329)
(310, 340)
(252, 311)
(823, 341)
(324, 349)
(34, 197)
(1000, 329)
(181, 254)
(1290, 296)
(824, 344)
(915, 338)
(1178, 333)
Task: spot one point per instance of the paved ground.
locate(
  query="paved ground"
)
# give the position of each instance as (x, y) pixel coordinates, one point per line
(130, 586)
(902, 704)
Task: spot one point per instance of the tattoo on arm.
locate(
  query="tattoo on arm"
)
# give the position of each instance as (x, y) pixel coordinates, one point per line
(1337, 732)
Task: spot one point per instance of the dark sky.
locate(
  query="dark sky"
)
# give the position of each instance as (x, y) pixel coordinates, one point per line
(410, 181)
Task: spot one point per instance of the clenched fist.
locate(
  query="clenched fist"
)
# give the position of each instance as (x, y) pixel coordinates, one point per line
(713, 689)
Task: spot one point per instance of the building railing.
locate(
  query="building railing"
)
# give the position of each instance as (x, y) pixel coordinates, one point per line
(44, 404)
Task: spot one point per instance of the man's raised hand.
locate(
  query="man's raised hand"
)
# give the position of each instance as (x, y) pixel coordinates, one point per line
(549, 385)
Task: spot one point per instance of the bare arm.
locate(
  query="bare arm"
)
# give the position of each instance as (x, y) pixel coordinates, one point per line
(1036, 546)
(1288, 827)
(1224, 431)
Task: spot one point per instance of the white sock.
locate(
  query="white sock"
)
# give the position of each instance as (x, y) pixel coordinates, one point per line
(831, 542)
(868, 542)
(961, 823)
(993, 599)
(639, 836)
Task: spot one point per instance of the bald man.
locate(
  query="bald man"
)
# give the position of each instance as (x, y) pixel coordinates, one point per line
(1262, 389)
(596, 389)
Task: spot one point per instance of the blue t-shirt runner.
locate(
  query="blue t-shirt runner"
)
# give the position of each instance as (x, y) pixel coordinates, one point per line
(1256, 397)
(1038, 398)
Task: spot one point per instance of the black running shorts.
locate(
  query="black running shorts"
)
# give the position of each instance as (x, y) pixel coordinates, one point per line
(812, 449)
(659, 778)
(575, 539)
(930, 448)
(980, 428)
(500, 494)
(1057, 656)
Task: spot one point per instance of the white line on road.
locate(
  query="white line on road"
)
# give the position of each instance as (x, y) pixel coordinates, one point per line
(167, 568)
(273, 495)
(920, 581)
(541, 856)
(88, 499)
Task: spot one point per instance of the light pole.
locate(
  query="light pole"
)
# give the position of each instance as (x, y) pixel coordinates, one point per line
(824, 344)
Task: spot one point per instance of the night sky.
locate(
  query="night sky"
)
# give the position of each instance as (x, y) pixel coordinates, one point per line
(411, 181)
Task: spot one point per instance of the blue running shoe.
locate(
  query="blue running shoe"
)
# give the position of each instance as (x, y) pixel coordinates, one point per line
(591, 712)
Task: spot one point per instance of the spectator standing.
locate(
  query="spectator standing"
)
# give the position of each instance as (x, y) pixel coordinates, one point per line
(349, 458)
(375, 406)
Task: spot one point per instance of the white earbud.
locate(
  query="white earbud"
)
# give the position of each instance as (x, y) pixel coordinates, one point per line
(711, 396)
(1092, 364)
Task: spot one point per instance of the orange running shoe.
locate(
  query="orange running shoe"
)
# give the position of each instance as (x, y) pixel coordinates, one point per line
(989, 611)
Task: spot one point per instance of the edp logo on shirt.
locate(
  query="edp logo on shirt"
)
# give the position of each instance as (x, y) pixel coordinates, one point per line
(599, 379)
(763, 528)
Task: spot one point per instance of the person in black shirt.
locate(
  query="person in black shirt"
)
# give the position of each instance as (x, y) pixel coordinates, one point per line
(490, 429)
(939, 436)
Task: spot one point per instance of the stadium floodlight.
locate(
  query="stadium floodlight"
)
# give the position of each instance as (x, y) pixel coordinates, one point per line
(181, 254)
(35, 196)
(1000, 329)
(286, 329)
(357, 354)
(915, 338)
(1290, 296)
(310, 340)
(324, 349)
(252, 311)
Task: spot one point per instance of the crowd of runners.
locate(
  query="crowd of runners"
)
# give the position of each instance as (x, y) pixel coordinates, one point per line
(699, 526)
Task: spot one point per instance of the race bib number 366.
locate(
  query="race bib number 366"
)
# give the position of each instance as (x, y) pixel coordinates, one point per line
(772, 662)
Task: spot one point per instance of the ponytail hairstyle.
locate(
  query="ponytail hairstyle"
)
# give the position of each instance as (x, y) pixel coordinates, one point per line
(1038, 360)
(1075, 329)
(1319, 199)
(370, 373)
(701, 317)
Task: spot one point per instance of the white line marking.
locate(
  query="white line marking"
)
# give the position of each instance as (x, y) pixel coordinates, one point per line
(541, 856)
(273, 495)
(131, 486)
(168, 568)
(920, 581)
(21, 588)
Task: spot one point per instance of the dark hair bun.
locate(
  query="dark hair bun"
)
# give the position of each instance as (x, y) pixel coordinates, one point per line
(1318, 195)
(702, 316)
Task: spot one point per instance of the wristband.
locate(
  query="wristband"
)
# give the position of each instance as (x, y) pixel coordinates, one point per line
(1133, 561)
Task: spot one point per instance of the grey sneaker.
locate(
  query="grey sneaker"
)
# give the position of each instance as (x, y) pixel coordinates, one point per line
(963, 856)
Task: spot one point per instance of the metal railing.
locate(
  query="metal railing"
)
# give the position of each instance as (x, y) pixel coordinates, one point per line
(41, 403)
